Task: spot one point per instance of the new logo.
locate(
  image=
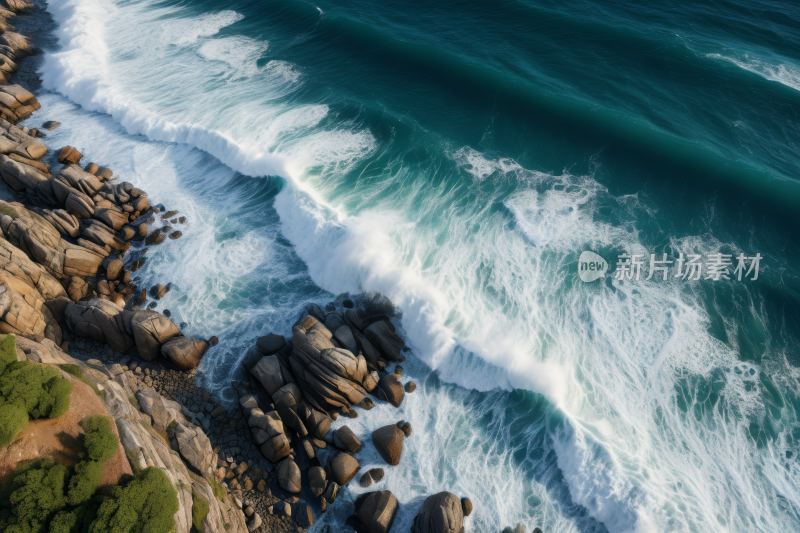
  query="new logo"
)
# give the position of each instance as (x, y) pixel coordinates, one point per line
(591, 266)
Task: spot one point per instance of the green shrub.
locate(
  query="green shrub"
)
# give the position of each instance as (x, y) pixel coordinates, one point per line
(146, 505)
(8, 352)
(40, 389)
(37, 494)
(13, 419)
(45, 497)
(84, 481)
(100, 442)
(59, 389)
(27, 390)
(64, 522)
(199, 511)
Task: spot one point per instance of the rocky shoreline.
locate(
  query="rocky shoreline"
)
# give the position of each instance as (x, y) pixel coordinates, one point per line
(70, 249)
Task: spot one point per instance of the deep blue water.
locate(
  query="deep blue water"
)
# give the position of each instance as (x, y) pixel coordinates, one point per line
(458, 158)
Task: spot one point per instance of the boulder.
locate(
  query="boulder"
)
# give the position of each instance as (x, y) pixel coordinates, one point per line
(18, 264)
(82, 262)
(376, 511)
(158, 291)
(183, 352)
(373, 475)
(101, 320)
(346, 339)
(333, 321)
(343, 467)
(317, 480)
(331, 492)
(317, 424)
(287, 403)
(410, 386)
(112, 217)
(268, 372)
(356, 318)
(381, 334)
(114, 269)
(388, 440)
(270, 344)
(345, 439)
(51, 125)
(466, 506)
(68, 154)
(289, 476)
(254, 523)
(440, 513)
(391, 390)
(150, 330)
(370, 353)
(268, 432)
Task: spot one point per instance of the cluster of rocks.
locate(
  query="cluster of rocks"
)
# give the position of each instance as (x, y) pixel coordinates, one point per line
(297, 387)
(65, 265)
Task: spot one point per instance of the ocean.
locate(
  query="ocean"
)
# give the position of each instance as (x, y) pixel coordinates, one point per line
(458, 158)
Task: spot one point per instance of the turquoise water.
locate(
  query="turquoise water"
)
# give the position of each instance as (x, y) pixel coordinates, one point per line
(458, 158)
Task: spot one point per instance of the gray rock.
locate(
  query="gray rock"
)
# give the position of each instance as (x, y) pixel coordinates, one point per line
(268, 372)
(195, 447)
(289, 476)
(346, 339)
(356, 318)
(317, 480)
(150, 403)
(331, 492)
(270, 344)
(373, 475)
(333, 321)
(255, 522)
(381, 334)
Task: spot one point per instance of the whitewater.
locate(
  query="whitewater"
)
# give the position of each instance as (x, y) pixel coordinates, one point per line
(557, 404)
